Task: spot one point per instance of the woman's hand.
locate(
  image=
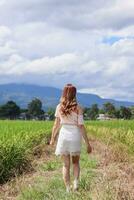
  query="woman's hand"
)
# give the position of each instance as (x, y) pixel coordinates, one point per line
(89, 148)
(51, 142)
(85, 137)
(55, 129)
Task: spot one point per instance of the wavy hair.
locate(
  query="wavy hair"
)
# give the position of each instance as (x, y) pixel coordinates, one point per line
(68, 102)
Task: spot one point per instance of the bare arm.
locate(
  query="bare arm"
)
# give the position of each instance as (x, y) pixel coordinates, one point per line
(55, 130)
(84, 132)
(85, 137)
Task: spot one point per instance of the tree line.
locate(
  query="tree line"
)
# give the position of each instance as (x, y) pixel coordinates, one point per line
(34, 110)
(110, 111)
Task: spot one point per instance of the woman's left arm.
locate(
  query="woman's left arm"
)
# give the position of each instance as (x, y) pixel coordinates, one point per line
(55, 130)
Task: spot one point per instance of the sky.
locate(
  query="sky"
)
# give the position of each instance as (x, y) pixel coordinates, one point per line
(89, 43)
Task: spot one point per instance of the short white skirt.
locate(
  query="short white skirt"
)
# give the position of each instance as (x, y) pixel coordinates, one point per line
(69, 140)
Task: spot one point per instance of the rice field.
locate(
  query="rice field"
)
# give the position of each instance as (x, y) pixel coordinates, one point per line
(18, 138)
(17, 141)
(116, 132)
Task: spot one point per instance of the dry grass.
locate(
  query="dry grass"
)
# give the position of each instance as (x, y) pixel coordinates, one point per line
(11, 189)
(114, 178)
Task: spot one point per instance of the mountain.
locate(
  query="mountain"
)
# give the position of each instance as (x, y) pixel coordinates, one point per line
(22, 94)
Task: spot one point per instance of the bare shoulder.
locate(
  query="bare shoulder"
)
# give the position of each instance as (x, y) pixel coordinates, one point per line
(80, 109)
(58, 105)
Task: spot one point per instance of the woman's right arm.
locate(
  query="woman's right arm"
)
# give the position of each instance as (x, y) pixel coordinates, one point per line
(84, 132)
(85, 137)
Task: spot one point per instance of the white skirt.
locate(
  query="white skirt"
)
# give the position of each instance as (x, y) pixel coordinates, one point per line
(69, 140)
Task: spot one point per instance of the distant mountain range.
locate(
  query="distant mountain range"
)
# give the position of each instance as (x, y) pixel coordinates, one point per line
(22, 94)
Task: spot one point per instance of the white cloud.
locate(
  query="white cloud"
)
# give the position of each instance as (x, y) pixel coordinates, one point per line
(4, 32)
(6, 50)
(52, 42)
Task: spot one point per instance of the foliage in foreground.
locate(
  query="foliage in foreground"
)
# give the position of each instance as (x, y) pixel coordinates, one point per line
(116, 132)
(17, 142)
(53, 188)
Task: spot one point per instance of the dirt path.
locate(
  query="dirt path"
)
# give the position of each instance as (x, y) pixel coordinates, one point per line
(115, 179)
(114, 175)
(11, 189)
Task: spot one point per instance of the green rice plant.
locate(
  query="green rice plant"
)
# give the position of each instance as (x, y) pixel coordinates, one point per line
(17, 142)
(113, 132)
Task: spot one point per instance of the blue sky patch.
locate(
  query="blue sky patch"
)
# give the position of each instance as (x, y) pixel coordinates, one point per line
(111, 40)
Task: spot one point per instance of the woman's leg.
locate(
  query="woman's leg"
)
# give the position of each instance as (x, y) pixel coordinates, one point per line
(66, 169)
(76, 166)
(76, 169)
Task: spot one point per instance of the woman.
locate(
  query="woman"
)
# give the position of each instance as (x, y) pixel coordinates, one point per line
(69, 119)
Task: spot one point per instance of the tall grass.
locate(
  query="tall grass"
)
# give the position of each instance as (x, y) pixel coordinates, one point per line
(17, 140)
(53, 188)
(114, 132)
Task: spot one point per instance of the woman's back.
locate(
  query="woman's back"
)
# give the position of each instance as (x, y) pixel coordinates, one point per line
(75, 117)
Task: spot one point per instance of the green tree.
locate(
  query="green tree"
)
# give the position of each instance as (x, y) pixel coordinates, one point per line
(132, 112)
(9, 110)
(125, 112)
(117, 113)
(51, 112)
(93, 112)
(23, 110)
(35, 107)
(86, 112)
(109, 109)
(101, 111)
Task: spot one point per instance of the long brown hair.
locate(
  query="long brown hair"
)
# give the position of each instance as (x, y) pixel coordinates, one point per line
(68, 102)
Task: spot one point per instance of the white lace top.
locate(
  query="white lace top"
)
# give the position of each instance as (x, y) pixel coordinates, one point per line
(73, 118)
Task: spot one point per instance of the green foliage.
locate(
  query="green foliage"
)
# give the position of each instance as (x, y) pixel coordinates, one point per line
(91, 113)
(35, 107)
(101, 111)
(132, 112)
(125, 113)
(109, 109)
(9, 110)
(18, 139)
(49, 166)
(17, 142)
(53, 188)
(116, 131)
(94, 112)
(51, 112)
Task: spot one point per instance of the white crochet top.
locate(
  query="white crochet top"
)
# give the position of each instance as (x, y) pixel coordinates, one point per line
(73, 118)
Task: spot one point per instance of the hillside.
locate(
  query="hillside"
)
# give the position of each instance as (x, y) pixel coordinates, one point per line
(23, 93)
